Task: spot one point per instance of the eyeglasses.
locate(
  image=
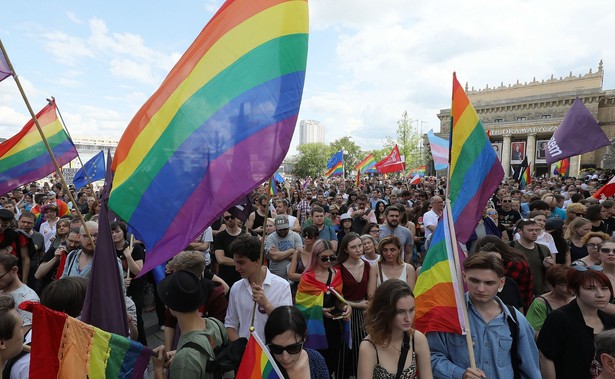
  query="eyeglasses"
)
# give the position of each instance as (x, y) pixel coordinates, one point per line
(374, 231)
(578, 214)
(506, 201)
(229, 217)
(291, 349)
(528, 220)
(583, 268)
(330, 258)
(606, 250)
(594, 246)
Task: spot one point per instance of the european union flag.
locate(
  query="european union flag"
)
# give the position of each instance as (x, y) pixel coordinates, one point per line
(335, 159)
(95, 169)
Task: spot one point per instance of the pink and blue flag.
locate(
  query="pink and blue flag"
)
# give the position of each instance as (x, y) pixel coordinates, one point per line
(219, 125)
(439, 150)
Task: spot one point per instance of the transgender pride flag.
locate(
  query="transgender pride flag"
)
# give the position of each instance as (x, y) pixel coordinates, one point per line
(439, 150)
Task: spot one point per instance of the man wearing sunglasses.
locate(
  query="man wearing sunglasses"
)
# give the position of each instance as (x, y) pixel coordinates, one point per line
(224, 257)
(507, 216)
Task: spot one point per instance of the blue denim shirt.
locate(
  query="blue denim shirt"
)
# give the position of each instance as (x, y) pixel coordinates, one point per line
(492, 344)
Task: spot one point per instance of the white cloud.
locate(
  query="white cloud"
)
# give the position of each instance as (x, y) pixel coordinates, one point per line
(73, 17)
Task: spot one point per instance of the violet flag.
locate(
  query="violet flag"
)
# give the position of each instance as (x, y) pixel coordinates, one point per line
(5, 72)
(578, 133)
(104, 306)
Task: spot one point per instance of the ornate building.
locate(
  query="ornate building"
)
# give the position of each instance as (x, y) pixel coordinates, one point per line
(521, 118)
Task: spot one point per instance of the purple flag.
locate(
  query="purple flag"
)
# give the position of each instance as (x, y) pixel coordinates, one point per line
(104, 305)
(5, 72)
(578, 133)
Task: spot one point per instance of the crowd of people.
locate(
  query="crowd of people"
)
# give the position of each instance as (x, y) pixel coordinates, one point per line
(323, 272)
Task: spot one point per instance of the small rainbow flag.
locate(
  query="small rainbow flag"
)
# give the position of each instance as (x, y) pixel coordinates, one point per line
(526, 178)
(475, 173)
(218, 127)
(366, 164)
(64, 347)
(562, 168)
(273, 189)
(336, 170)
(420, 171)
(257, 362)
(24, 157)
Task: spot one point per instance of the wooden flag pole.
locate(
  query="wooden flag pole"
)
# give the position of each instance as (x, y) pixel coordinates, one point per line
(40, 130)
(262, 253)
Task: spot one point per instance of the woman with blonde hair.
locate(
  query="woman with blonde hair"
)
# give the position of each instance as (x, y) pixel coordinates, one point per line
(573, 211)
(574, 235)
(393, 348)
(391, 264)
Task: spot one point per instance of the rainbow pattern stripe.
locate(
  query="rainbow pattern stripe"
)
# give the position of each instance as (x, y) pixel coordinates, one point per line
(219, 125)
(24, 157)
(309, 300)
(366, 164)
(273, 189)
(336, 170)
(475, 173)
(64, 347)
(562, 167)
(526, 178)
(257, 362)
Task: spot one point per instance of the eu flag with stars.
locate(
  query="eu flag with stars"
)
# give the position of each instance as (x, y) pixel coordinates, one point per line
(95, 169)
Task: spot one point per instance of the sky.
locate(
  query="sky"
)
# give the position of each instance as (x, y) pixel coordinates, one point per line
(368, 61)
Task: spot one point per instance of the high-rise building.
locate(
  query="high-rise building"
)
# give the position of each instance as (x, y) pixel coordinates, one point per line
(311, 131)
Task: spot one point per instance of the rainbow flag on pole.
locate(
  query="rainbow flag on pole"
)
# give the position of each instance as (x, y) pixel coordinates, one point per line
(24, 157)
(366, 164)
(475, 173)
(219, 125)
(526, 177)
(257, 362)
(562, 168)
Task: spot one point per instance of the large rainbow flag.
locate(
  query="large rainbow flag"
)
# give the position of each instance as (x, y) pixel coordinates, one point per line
(366, 164)
(475, 173)
(64, 347)
(219, 125)
(24, 157)
(257, 362)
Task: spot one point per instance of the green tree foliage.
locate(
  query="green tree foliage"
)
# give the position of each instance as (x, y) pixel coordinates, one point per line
(409, 141)
(311, 160)
(352, 152)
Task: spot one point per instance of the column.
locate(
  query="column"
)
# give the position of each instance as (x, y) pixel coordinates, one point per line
(575, 165)
(530, 151)
(506, 155)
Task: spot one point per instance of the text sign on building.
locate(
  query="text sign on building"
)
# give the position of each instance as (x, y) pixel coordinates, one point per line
(522, 130)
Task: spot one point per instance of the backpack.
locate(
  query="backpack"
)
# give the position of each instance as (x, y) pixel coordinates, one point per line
(513, 325)
(227, 356)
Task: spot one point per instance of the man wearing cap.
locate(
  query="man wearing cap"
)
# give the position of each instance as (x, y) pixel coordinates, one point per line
(281, 208)
(281, 245)
(391, 226)
(258, 285)
(14, 243)
(183, 293)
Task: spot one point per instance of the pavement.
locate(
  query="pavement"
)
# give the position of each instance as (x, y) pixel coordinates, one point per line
(155, 336)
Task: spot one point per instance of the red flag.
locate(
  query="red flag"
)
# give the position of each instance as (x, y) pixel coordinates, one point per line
(391, 163)
(607, 190)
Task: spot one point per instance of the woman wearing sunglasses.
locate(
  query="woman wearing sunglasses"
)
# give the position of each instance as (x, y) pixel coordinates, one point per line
(302, 258)
(319, 298)
(607, 257)
(566, 340)
(592, 241)
(285, 336)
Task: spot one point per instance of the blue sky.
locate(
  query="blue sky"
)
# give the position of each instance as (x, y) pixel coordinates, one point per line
(368, 61)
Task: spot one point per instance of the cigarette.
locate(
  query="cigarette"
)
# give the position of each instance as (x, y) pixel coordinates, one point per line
(25, 348)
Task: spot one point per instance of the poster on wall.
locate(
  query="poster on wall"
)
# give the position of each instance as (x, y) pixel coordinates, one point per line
(541, 148)
(517, 152)
(497, 147)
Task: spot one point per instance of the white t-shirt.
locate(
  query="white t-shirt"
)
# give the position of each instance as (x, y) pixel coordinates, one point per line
(21, 294)
(430, 218)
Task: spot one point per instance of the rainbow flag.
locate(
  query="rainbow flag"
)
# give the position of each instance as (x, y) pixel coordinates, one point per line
(257, 362)
(562, 168)
(64, 347)
(336, 170)
(420, 171)
(366, 164)
(335, 165)
(475, 173)
(273, 189)
(24, 157)
(526, 178)
(219, 125)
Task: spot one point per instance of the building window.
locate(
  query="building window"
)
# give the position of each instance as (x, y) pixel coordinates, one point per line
(545, 116)
(520, 118)
(498, 120)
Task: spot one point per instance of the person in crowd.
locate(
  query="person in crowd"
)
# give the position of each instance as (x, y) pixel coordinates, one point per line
(324, 231)
(361, 213)
(486, 227)
(593, 242)
(391, 264)
(269, 227)
(555, 227)
(11, 285)
(509, 292)
(569, 354)
(48, 227)
(281, 209)
(224, 257)
(285, 336)
(372, 229)
(597, 214)
(508, 217)
(609, 206)
(183, 293)
(543, 237)
(258, 285)
(11, 333)
(369, 249)
(355, 277)
(431, 217)
(281, 246)
(391, 226)
(345, 226)
(52, 263)
(302, 258)
(393, 348)
(575, 232)
(304, 207)
(25, 223)
(490, 324)
(574, 211)
(537, 255)
(607, 257)
(94, 209)
(603, 365)
(557, 297)
(256, 220)
(319, 298)
(379, 209)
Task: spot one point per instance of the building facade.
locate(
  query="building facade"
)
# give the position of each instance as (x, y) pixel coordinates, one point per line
(311, 131)
(521, 118)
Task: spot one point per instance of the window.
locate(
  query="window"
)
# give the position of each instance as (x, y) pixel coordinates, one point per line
(498, 120)
(520, 118)
(544, 116)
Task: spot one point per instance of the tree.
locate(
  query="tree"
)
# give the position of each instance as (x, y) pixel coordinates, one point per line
(352, 152)
(409, 141)
(311, 160)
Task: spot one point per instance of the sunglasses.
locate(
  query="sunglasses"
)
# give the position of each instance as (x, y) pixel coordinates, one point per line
(229, 217)
(578, 214)
(330, 258)
(310, 236)
(606, 250)
(506, 201)
(291, 349)
(583, 268)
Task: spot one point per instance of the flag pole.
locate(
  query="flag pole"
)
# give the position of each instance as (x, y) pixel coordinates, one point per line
(52, 100)
(40, 131)
(262, 253)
